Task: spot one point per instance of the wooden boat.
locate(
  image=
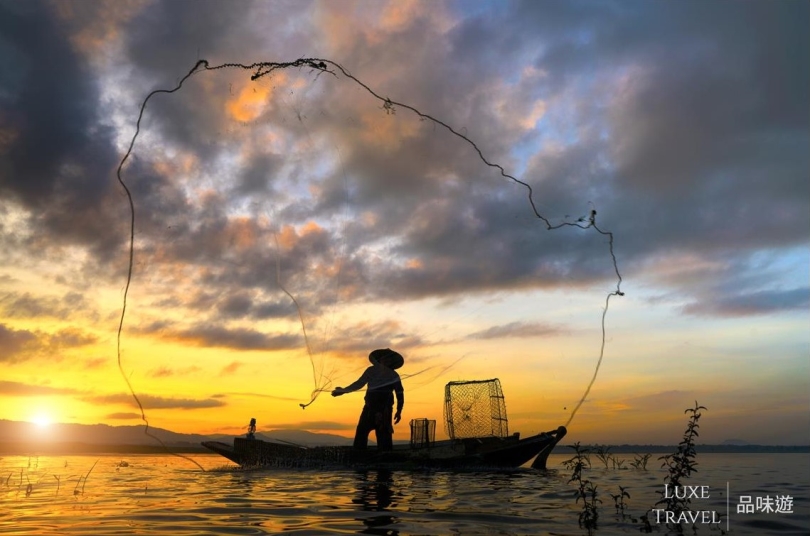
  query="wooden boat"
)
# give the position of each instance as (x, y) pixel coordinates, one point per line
(479, 452)
(475, 420)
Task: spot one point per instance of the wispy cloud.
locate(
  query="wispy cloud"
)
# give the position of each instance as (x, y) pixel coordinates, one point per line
(123, 416)
(217, 335)
(520, 330)
(314, 425)
(9, 388)
(753, 303)
(156, 402)
(230, 368)
(167, 372)
(23, 344)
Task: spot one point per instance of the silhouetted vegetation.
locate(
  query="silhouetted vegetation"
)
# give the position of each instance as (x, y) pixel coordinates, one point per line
(679, 465)
(586, 490)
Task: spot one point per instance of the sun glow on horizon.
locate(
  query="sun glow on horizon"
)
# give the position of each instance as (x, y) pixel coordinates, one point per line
(41, 420)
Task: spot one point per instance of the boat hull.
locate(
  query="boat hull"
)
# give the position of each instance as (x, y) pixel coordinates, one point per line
(499, 452)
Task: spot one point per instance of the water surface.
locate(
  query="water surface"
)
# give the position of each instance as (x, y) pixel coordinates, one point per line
(134, 494)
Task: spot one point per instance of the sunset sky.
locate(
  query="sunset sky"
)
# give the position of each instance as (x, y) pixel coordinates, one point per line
(684, 125)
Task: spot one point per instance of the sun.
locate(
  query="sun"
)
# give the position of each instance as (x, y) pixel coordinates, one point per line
(41, 420)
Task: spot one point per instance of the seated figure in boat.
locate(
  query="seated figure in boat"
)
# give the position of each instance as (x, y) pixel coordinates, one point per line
(383, 382)
(251, 433)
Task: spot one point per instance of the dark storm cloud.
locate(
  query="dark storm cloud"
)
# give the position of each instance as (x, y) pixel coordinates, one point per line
(391, 184)
(703, 128)
(259, 173)
(47, 101)
(165, 39)
(696, 113)
(685, 125)
(57, 155)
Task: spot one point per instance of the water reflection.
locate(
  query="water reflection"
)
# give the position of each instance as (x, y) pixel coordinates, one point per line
(374, 493)
(162, 495)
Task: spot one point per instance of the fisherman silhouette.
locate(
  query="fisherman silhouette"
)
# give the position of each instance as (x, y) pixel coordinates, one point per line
(383, 382)
(251, 433)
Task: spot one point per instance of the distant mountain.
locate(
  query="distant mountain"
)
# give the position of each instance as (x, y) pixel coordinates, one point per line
(16, 435)
(26, 438)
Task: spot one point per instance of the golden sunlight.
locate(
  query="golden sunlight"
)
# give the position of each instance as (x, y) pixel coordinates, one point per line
(41, 420)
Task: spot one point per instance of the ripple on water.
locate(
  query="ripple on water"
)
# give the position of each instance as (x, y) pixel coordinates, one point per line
(163, 495)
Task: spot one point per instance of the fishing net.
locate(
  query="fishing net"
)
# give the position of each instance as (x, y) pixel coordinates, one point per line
(475, 409)
(281, 212)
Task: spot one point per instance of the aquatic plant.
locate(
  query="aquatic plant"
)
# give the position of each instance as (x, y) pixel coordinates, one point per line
(603, 453)
(83, 481)
(618, 500)
(640, 461)
(586, 490)
(680, 465)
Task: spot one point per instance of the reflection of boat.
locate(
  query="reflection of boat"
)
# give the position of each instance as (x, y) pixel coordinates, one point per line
(475, 418)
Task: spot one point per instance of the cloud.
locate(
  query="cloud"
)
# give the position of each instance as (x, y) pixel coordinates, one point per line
(20, 345)
(657, 401)
(167, 372)
(259, 395)
(96, 362)
(754, 303)
(51, 101)
(15, 342)
(314, 425)
(156, 402)
(230, 368)
(723, 285)
(237, 338)
(123, 416)
(9, 388)
(684, 126)
(28, 305)
(349, 339)
(518, 329)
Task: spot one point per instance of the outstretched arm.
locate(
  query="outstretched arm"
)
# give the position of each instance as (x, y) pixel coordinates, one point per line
(361, 381)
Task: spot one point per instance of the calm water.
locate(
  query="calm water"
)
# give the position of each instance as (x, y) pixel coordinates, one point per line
(168, 495)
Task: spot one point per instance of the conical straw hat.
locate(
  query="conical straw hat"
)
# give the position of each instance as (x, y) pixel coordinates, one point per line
(394, 359)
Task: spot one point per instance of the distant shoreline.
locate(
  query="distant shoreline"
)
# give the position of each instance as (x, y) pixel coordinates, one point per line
(68, 449)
